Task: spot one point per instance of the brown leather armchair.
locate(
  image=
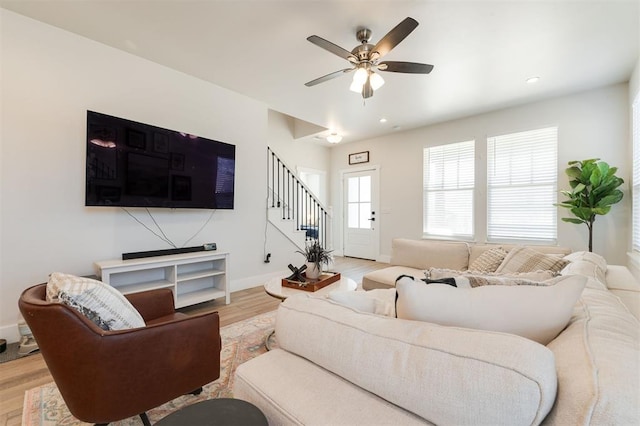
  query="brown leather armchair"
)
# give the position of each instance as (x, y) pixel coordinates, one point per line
(105, 376)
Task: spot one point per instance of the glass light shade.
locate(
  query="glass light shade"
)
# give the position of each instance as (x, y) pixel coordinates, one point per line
(360, 76)
(334, 138)
(376, 81)
(355, 87)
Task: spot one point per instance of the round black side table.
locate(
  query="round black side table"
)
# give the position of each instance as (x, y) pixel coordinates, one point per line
(221, 411)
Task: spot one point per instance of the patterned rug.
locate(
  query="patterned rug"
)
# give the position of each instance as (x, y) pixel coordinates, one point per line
(43, 406)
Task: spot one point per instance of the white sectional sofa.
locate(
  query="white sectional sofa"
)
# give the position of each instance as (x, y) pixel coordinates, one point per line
(414, 257)
(338, 365)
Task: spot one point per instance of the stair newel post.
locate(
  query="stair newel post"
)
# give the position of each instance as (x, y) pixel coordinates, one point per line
(282, 192)
(305, 210)
(314, 220)
(321, 226)
(273, 181)
(308, 211)
(278, 187)
(324, 225)
(289, 177)
(297, 205)
(285, 192)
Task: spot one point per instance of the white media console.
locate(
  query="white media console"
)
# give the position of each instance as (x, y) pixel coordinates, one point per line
(193, 277)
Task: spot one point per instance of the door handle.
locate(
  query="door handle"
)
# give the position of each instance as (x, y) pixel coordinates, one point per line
(373, 219)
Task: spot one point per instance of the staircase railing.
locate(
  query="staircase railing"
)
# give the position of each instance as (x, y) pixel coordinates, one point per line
(296, 201)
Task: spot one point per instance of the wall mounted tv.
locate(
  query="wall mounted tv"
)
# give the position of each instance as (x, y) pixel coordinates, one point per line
(131, 164)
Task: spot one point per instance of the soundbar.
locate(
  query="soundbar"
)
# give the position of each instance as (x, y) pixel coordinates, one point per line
(152, 253)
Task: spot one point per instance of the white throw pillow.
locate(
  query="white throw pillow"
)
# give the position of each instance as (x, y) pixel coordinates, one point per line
(538, 313)
(378, 301)
(590, 270)
(99, 302)
(587, 256)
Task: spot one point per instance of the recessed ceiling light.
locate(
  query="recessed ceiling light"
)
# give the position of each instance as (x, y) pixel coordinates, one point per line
(334, 138)
(532, 80)
(383, 120)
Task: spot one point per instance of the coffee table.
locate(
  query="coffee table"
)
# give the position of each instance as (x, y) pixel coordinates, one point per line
(274, 288)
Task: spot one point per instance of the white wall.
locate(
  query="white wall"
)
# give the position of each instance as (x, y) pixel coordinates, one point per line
(295, 154)
(49, 79)
(591, 124)
(634, 91)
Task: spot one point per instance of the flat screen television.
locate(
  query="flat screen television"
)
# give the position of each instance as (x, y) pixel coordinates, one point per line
(131, 164)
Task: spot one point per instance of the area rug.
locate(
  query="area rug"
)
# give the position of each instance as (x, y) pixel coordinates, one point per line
(12, 353)
(43, 406)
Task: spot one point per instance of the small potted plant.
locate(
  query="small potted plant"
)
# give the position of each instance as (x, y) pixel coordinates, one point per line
(316, 257)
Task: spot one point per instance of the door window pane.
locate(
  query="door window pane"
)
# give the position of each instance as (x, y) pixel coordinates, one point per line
(359, 202)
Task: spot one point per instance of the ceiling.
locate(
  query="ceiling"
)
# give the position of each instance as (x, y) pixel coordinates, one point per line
(483, 51)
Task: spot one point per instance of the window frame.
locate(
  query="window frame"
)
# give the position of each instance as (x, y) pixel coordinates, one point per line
(548, 178)
(463, 149)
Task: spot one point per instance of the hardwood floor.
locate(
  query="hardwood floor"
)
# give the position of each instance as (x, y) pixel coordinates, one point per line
(23, 374)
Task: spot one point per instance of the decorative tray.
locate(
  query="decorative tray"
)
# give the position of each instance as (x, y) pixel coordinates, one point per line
(323, 280)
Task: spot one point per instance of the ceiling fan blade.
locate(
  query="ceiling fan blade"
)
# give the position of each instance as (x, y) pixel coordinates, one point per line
(328, 77)
(406, 67)
(333, 48)
(395, 36)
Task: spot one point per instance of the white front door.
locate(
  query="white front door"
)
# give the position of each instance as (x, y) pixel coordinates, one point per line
(361, 216)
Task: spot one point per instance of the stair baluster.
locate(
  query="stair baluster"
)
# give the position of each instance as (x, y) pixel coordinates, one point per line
(296, 201)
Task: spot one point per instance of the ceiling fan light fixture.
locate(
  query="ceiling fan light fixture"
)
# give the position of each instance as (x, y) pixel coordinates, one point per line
(367, 90)
(376, 81)
(334, 138)
(360, 77)
(355, 87)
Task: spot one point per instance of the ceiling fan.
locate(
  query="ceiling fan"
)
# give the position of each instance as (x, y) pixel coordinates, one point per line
(365, 58)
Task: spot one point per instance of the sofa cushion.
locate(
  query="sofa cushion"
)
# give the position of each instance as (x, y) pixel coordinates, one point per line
(445, 375)
(524, 259)
(102, 304)
(423, 254)
(386, 277)
(538, 313)
(623, 284)
(489, 260)
(291, 390)
(598, 362)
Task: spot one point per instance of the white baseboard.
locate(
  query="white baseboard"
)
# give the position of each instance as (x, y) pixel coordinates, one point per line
(384, 258)
(10, 333)
(257, 280)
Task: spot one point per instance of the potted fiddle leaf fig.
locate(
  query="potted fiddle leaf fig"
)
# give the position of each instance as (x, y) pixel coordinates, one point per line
(594, 189)
(316, 256)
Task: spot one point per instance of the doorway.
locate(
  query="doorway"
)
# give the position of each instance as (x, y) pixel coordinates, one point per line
(361, 217)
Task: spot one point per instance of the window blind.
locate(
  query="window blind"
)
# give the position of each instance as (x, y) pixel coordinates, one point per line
(522, 174)
(448, 182)
(636, 174)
